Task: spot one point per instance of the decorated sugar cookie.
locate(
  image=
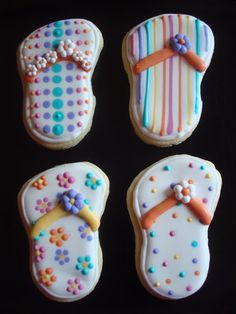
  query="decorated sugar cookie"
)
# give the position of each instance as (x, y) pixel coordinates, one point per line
(171, 205)
(56, 63)
(165, 58)
(61, 209)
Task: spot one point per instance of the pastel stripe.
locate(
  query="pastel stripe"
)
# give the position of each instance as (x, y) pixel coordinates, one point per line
(154, 127)
(140, 49)
(206, 38)
(180, 81)
(133, 45)
(197, 87)
(162, 131)
(189, 97)
(146, 99)
(170, 117)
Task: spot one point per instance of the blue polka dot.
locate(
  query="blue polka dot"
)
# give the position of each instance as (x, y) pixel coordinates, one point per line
(69, 32)
(152, 270)
(70, 128)
(46, 79)
(57, 32)
(70, 103)
(46, 104)
(47, 44)
(152, 234)
(47, 33)
(57, 91)
(194, 243)
(70, 66)
(69, 90)
(46, 70)
(58, 116)
(46, 129)
(46, 91)
(46, 115)
(57, 103)
(69, 78)
(156, 251)
(67, 22)
(58, 23)
(194, 260)
(58, 129)
(56, 68)
(70, 115)
(202, 167)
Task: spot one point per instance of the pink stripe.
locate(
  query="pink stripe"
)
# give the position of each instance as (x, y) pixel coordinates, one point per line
(170, 117)
(133, 45)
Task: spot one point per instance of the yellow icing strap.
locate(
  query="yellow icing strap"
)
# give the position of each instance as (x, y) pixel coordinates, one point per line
(57, 213)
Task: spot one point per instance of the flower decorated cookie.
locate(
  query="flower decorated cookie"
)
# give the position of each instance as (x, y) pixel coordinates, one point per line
(56, 63)
(62, 219)
(171, 205)
(166, 58)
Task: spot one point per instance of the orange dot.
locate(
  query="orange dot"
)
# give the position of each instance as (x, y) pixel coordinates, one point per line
(168, 281)
(40, 187)
(44, 280)
(32, 92)
(43, 178)
(45, 183)
(152, 178)
(65, 237)
(86, 42)
(53, 278)
(35, 184)
(86, 111)
(49, 270)
(85, 89)
(86, 30)
(174, 215)
(59, 243)
(29, 58)
(86, 101)
(87, 52)
(48, 283)
(197, 273)
(84, 77)
(30, 46)
(185, 192)
(52, 232)
(190, 181)
(41, 272)
(82, 22)
(60, 230)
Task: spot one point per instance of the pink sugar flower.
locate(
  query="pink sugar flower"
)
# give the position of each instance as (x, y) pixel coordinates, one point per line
(65, 180)
(74, 286)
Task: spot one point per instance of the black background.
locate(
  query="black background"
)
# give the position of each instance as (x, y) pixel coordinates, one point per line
(113, 146)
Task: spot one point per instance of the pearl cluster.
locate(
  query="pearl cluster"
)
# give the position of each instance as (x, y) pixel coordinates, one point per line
(66, 48)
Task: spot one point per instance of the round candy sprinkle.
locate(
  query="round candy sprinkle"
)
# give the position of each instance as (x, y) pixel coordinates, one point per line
(190, 165)
(157, 284)
(174, 215)
(144, 205)
(202, 167)
(182, 274)
(189, 288)
(172, 185)
(207, 176)
(168, 281)
(194, 243)
(170, 292)
(165, 264)
(156, 251)
(152, 270)
(194, 260)
(154, 190)
(197, 273)
(167, 168)
(172, 233)
(176, 256)
(152, 178)
(210, 188)
(204, 200)
(152, 234)
(189, 219)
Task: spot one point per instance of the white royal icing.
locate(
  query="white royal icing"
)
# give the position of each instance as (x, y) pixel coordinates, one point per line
(174, 256)
(63, 87)
(136, 49)
(81, 242)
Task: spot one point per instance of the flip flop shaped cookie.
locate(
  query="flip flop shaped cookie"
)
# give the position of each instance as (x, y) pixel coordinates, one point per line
(171, 205)
(165, 58)
(61, 209)
(56, 63)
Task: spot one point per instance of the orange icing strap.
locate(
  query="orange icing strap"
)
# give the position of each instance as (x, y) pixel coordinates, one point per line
(178, 45)
(195, 205)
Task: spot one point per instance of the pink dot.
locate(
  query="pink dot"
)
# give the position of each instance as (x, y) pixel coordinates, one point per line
(59, 177)
(38, 258)
(42, 255)
(37, 115)
(76, 292)
(78, 90)
(165, 264)
(80, 287)
(189, 288)
(79, 42)
(78, 77)
(70, 281)
(78, 31)
(36, 247)
(69, 289)
(205, 200)
(37, 45)
(81, 113)
(77, 280)
(37, 80)
(172, 233)
(79, 102)
(80, 124)
(39, 202)
(42, 249)
(38, 35)
(37, 125)
(37, 105)
(38, 92)
(66, 174)
(71, 180)
(190, 165)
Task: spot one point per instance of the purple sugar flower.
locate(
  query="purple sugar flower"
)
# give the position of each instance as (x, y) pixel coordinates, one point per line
(85, 232)
(180, 44)
(73, 202)
(61, 256)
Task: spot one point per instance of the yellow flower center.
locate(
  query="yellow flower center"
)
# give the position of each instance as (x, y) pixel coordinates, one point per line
(84, 264)
(72, 201)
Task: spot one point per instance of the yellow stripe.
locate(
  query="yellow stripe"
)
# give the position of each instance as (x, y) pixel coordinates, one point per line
(154, 126)
(189, 80)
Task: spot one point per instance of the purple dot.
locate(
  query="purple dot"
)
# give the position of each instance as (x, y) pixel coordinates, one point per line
(191, 165)
(145, 205)
(170, 292)
(46, 70)
(205, 200)
(70, 103)
(79, 42)
(57, 258)
(69, 32)
(67, 259)
(70, 128)
(83, 235)
(67, 22)
(70, 66)
(172, 185)
(61, 263)
(79, 124)
(210, 188)
(46, 115)
(47, 33)
(69, 90)
(46, 91)
(194, 260)
(89, 238)
(189, 288)
(46, 104)
(78, 77)
(172, 233)
(49, 25)
(46, 79)
(69, 78)
(47, 44)
(156, 251)
(81, 228)
(70, 115)
(46, 129)
(165, 264)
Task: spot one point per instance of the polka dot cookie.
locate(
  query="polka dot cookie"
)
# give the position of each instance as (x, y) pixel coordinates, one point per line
(56, 63)
(61, 210)
(172, 259)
